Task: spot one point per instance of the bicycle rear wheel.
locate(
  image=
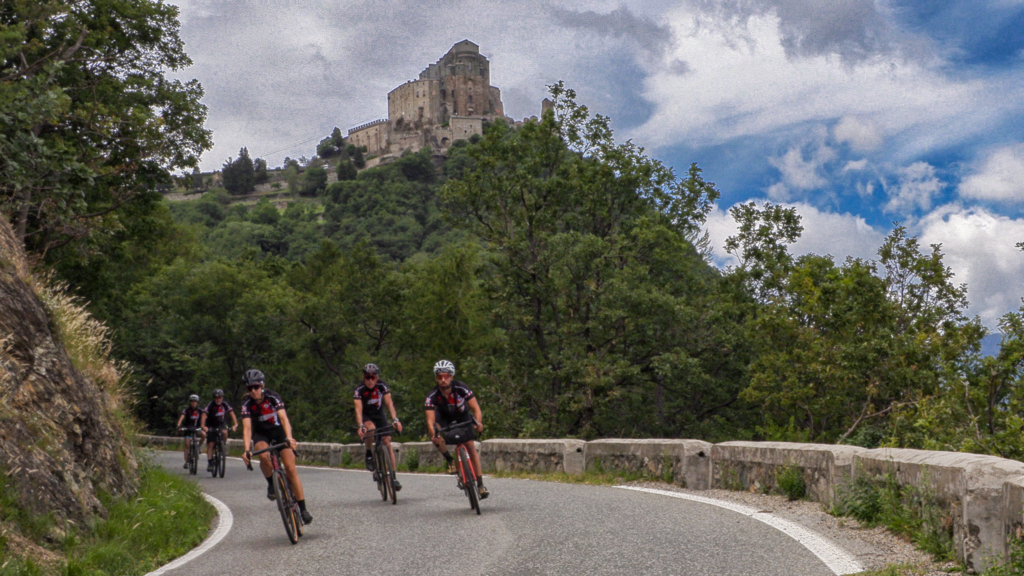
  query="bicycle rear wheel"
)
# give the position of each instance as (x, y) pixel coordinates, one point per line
(469, 480)
(284, 505)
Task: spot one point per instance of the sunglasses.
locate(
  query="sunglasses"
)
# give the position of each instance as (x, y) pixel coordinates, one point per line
(369, 376)
(254, 386)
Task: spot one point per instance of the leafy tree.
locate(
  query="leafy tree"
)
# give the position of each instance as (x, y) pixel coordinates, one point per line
(356, 154)
(595, 279)
(314, 181)
(89, 123)
(327, 148)
(239, 175)
(346, 171)
(760, 247)
(261, 170)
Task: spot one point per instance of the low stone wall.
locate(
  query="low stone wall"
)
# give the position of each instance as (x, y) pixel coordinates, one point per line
(982, 496)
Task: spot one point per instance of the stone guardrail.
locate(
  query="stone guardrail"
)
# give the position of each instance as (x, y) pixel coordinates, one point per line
(981, 496)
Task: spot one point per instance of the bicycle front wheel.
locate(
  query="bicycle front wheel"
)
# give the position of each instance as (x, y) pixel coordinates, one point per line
(193, 457)
(389, 486)
(223, 457)
(284, 505)
(469, 480)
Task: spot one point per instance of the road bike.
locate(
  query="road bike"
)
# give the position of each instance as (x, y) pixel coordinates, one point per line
(383, 471)
(466, 476)
(286, 503)
(220, 453)
(192, 436)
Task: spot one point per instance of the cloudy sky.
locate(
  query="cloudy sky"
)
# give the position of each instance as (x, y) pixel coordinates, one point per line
(858, 112)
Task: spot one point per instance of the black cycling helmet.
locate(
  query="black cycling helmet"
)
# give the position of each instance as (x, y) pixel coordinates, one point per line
(253, 376)
(218, 393)
(371, 368)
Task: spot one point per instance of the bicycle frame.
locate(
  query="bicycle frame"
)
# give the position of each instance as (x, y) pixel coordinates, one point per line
(384, 469)
(192, 436)
(466, 479)
(286, 503)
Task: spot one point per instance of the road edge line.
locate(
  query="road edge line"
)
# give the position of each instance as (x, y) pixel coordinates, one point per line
(837, 560)
(225, 520)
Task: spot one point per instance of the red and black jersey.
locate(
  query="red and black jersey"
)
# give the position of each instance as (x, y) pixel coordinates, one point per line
(263, 414)
(217, 415)
(372, 398)
(191, 417)
(452, 407)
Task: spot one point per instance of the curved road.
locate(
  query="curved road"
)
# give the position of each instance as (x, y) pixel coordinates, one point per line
(527, 527)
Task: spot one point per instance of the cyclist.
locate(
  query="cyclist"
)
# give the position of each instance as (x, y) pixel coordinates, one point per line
(190, 416)
(213, 417)
(370, 395)
(265, 422)
(450, 403)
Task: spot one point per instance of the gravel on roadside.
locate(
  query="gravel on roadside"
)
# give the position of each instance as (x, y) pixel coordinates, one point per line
(876, 548)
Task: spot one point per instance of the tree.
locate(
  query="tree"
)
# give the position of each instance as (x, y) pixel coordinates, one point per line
(346, 171)
(261, 170)
(605, 303)
(239, 175)
(327, 148)
(314, 181)
(760, 247)
(90, 122)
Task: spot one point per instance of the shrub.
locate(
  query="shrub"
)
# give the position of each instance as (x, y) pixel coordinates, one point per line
(346, 459)
(791, 481)
(412, 460)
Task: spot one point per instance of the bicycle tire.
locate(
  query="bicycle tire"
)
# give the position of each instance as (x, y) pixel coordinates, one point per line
(193, 457)
(470, 481)
(215, 462)
(223, 456)
(284, 505)
(380, 468)
(389, 481)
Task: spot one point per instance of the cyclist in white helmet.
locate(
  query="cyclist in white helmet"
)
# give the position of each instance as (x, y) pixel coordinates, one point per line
(452, 402)
(190, 417)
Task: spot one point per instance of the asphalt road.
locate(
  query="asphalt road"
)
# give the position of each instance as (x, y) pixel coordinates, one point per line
(527, 527)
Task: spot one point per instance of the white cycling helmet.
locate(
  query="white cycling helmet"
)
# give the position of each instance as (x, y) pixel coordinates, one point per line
(193, 398)
(444, 367)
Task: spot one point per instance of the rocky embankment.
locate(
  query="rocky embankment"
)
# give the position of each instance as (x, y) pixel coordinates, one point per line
(60, 443)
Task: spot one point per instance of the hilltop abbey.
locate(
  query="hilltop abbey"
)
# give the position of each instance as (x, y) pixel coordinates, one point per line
(450, 101)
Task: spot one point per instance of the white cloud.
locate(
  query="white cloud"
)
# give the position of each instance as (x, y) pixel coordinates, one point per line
(801, 167)
(918, 185)
(999, 177)
(831, 233)
(856, 165)
(862, 135)
(743, 83)
(979, 248)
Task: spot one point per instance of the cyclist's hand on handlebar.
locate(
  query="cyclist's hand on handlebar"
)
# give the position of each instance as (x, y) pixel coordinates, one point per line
(293, 443)
(234, 428)
(247, 458)
(478, 427)
(398, 426)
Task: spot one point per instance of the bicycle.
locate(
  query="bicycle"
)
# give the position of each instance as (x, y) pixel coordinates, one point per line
(191, 434)
(286, 503)
(220, 453)
(383, 472)
(466, 477)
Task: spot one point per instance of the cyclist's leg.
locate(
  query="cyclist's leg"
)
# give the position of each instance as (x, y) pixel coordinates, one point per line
(188, 444)
(288, 459)
(368, 441)
(474, 456)
(387, 442)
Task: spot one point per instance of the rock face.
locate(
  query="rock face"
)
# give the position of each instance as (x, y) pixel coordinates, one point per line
(59, 443)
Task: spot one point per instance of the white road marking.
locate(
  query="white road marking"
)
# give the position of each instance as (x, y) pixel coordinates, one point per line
(838, 560)
(226, 519)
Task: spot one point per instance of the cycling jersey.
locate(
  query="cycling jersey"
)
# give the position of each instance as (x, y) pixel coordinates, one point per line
(453, 408)
(372, 398)
(263, 414)
(191, 417)
(217, 415)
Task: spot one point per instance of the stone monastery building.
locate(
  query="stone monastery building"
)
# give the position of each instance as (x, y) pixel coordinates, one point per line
(449, 102)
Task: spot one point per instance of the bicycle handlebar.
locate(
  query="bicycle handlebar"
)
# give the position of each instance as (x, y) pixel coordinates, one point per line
(471, 422)
(267, 449)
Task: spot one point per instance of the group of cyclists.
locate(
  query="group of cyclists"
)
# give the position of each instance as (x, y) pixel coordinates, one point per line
(265, 423)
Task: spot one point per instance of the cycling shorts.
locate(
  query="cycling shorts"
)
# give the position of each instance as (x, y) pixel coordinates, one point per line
(378, 420)
(273, 436)
(211, 436)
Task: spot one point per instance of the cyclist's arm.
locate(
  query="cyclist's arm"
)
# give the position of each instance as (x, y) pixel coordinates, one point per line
(477, 413)
(430, 424)
(359, 413)
(180, 419)
(234, 420)
(390, 405)
(202, 421)
(246, 434)
(287, 426)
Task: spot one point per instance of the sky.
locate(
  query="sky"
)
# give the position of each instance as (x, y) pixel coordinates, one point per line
(859, 113)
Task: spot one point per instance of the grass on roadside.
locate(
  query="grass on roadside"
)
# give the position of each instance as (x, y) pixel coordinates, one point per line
(167, 518)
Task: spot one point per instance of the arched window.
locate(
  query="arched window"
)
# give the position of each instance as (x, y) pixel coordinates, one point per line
(469, 99)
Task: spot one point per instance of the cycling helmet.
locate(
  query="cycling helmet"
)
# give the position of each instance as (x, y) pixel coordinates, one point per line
(371, 368)
(445, 367)
(218, 393)
(193, 398)
(253, 376)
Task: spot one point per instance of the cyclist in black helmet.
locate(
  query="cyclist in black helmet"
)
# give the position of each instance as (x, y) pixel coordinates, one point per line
(190, 417)
(371, 397)
(214, 416)
(265, 422)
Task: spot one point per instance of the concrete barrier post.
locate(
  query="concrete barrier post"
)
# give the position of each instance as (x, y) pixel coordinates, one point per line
(685, 462)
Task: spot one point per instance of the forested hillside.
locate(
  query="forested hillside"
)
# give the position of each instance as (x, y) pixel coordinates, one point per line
(567, 277)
